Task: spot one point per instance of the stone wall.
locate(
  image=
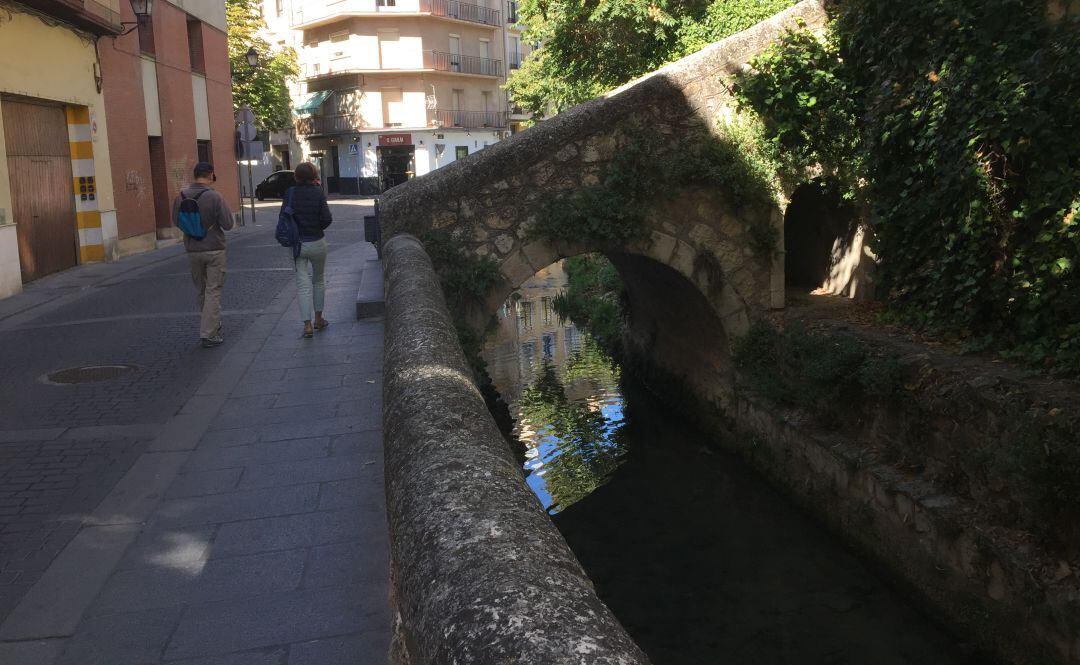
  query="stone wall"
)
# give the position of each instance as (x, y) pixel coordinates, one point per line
(479, 572)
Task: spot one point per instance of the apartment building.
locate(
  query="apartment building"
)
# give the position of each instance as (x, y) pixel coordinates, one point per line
(392, 89)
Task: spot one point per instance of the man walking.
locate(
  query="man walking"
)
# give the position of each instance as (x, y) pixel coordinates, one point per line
(197, 209)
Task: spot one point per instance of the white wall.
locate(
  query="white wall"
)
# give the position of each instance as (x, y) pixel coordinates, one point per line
(207, 11)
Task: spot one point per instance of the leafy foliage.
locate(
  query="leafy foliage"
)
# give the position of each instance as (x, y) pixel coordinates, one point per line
(264, 88)
(967, 150)
(814, 371)
(592, 296)
(590, 47)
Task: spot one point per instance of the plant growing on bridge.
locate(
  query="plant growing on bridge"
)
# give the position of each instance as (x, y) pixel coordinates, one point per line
(966, 149)
(591, 298)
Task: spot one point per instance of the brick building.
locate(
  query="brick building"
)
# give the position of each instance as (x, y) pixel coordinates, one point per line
(168, 85)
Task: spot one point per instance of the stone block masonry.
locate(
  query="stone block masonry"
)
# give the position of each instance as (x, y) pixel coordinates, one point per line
(479, 572)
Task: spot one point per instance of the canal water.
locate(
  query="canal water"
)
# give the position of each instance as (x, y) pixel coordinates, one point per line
(700, 559)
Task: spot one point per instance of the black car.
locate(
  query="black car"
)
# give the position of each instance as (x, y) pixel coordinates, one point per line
(275, 185)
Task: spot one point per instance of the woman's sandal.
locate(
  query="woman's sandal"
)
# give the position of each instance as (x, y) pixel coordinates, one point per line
(319, 326)
(308, 334)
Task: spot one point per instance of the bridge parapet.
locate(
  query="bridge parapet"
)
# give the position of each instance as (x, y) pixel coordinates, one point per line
(479, 572)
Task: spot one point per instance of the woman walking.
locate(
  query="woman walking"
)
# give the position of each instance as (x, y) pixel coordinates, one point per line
(312, 217)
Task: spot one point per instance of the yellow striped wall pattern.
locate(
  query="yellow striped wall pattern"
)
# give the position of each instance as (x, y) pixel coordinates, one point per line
(91, 240)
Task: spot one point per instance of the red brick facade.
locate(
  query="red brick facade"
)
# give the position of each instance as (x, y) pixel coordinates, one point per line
(143, 194)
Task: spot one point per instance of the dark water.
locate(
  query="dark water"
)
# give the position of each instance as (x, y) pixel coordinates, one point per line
(701, 560)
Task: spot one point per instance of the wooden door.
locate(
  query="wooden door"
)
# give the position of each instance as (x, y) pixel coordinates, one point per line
(43, 203)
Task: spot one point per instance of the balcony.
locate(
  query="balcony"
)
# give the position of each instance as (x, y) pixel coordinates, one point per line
(328, 124)
(416, 61)
(95, 16)
(514, 59)
(321, 125)
(470, 119)
(462, 64)
(316, 14)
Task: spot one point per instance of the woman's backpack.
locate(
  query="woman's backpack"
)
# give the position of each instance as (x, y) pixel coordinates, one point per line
(288, 231)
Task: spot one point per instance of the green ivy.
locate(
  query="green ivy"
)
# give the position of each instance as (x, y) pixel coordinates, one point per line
(956, 122)
(611, 214)
(592, 297)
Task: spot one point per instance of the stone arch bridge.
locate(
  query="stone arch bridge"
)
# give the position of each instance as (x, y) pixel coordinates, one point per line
(695, 283)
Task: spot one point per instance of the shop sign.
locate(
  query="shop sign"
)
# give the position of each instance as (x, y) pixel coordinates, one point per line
(395, 139)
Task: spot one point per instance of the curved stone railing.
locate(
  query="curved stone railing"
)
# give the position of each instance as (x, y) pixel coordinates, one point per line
(480, 574)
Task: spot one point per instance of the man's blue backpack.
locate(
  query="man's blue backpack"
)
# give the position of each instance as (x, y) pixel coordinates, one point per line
(189, 219)
(288, 231)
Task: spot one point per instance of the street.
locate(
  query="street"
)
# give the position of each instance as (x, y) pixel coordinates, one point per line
(161, 502)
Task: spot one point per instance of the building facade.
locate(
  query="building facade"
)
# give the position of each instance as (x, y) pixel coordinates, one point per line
(56, 195)
(391, 89)
(71, 190)
(168, 84)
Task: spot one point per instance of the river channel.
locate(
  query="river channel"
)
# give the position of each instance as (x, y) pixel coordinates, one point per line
(701, 560)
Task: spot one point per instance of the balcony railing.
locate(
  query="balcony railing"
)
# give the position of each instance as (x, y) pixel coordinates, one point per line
(462, 11)
(443, 119)
(465, 64)
(454, 9)
(470, 119)
(328, 124)
(437, 60)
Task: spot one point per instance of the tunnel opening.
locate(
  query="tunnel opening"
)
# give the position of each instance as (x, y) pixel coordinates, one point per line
(820, 239)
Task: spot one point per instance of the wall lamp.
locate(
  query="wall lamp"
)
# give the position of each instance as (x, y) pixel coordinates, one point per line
(142, 9)
(252, 57)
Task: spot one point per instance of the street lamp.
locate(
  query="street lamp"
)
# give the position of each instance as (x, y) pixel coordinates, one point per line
(252, 57)
(142, 10)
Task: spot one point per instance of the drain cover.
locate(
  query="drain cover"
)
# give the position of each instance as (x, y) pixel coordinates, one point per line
(90, 373)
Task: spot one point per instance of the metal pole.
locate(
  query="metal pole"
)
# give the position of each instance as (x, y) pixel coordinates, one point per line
(251, 192)
(239, 179)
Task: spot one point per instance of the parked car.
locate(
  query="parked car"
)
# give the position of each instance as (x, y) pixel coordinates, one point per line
(275, 185)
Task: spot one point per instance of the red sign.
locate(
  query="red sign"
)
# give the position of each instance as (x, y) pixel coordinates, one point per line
(395, 139)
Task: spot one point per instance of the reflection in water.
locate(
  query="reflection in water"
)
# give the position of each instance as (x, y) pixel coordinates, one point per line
(563, 392)
(710, 565)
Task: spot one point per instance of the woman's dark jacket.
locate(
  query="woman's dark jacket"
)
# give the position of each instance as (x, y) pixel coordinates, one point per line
(311, 211)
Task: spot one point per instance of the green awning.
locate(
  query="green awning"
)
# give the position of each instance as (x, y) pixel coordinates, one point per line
(313, 102)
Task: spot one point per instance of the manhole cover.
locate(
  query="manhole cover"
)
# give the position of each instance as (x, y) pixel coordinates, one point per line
(90, 373)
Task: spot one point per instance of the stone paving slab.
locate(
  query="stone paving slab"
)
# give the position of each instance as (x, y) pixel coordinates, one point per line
(268, 543)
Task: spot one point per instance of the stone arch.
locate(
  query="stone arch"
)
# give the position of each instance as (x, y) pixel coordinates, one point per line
(728, 251)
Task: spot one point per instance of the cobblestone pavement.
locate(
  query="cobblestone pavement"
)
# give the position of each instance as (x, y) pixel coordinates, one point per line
(66, 451)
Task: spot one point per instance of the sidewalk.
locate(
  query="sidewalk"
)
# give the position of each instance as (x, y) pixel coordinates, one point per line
(251, 529)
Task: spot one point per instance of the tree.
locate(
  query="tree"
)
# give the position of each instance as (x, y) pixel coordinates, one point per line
(592, 46)
(264, 88)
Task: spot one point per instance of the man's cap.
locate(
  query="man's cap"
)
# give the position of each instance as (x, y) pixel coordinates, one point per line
(204, 167)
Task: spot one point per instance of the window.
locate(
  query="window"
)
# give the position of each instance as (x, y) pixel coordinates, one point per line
(195, 46)
(486, 95)
(512, 11)
(388, 49)
(485, 49)
(386, 3)
(338, 37)
(205, 151)
(277, 7)
(456, 99)
(461, 152)
(146, 34)
(455, 54)
(514, 56)
(393, 107)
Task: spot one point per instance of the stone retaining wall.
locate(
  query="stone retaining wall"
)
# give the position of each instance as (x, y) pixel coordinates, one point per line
(479, 572)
